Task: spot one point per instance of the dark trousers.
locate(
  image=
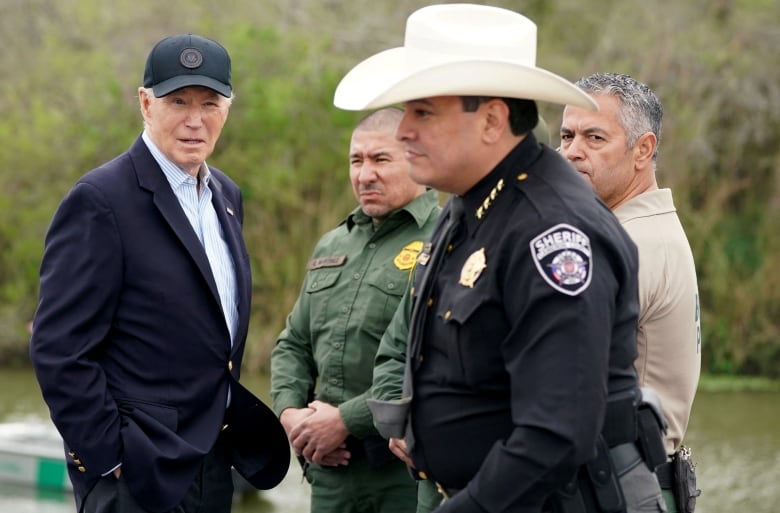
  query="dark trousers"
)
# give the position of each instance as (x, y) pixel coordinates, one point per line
(211, 490)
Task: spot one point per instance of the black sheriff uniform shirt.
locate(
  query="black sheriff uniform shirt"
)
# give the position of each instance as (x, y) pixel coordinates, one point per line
(530, 326)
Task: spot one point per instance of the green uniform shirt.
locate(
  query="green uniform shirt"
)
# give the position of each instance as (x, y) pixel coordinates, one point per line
(355, 280)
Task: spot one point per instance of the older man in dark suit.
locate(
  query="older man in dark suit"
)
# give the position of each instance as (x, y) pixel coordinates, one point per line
(144, 307)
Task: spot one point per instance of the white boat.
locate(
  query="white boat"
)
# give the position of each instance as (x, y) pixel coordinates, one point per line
(31, 455)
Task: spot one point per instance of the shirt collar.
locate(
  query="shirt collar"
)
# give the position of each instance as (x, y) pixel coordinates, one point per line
(176, 176)
(649, 203)
(419, 208)
(478, 200)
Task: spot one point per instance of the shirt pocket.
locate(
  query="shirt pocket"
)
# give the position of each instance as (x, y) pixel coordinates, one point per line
(473, 327)
(320, 289)
(383, 292)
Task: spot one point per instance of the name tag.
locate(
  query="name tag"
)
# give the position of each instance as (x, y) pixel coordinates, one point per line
(331, 261)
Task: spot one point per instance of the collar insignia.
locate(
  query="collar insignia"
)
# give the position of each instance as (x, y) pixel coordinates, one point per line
(488, 201)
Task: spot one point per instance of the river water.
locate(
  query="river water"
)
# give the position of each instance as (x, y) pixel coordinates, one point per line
(734, 436)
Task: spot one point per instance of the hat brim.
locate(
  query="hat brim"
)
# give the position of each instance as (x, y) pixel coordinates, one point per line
(168, 86)
(261, 451)
(392, 76)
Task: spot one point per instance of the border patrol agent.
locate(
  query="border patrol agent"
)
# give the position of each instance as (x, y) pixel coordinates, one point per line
(355, 280)
(519, 391)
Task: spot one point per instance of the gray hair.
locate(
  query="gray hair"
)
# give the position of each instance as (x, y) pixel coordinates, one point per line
(640, 109)
(149, 91)
(386, 119)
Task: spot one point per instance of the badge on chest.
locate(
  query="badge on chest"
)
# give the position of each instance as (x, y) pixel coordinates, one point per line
(472, 269)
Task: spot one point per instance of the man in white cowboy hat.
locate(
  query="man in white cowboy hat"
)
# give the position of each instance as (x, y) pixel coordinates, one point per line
(519, 392)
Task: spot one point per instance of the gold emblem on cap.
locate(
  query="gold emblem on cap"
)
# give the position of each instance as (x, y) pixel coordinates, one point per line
(473, 268)
(406, 259)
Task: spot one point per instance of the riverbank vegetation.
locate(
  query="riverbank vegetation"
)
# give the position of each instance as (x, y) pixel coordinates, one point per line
(68, 102)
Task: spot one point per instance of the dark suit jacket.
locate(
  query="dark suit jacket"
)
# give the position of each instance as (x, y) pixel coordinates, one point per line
(130, 344)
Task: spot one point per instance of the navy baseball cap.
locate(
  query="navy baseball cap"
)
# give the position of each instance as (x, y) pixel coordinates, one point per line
(187, 60)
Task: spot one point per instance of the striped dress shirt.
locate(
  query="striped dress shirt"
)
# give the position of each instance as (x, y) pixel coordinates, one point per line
(203, 218)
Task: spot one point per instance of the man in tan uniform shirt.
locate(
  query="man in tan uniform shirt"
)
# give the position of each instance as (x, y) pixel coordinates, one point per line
(616, 150)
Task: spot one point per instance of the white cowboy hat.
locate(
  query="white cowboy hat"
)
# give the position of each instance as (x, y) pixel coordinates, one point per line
(462, 50)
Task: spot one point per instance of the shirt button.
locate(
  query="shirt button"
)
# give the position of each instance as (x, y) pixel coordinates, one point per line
(372, 245)
(430, 302)
(422, 475)
(334, 381)
(344, 309)
(82, 469)
(356, 276)
(337, 345)
(391, 286)
(314, 285)
(230, 365)
(447, 315)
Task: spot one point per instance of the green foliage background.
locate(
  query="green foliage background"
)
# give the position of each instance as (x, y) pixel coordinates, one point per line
(68, 102)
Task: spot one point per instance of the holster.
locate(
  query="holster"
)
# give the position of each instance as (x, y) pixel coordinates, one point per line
(651, 429)
(595, 488)
(633, 429)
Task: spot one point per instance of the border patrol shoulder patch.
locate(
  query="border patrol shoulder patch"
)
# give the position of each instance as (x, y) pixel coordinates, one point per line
(563, 256)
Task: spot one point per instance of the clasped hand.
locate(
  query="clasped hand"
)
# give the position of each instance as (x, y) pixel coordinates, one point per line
(317, 433)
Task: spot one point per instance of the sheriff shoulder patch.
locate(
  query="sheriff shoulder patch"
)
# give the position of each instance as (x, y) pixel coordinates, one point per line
(563, 257)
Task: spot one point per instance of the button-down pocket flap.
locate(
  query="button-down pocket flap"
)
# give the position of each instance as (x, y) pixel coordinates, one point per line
(321, 280)
(460, 306)
(391, 286)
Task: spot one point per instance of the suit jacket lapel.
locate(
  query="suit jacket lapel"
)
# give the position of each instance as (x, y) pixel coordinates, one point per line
(151, 178)
(230, 220)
